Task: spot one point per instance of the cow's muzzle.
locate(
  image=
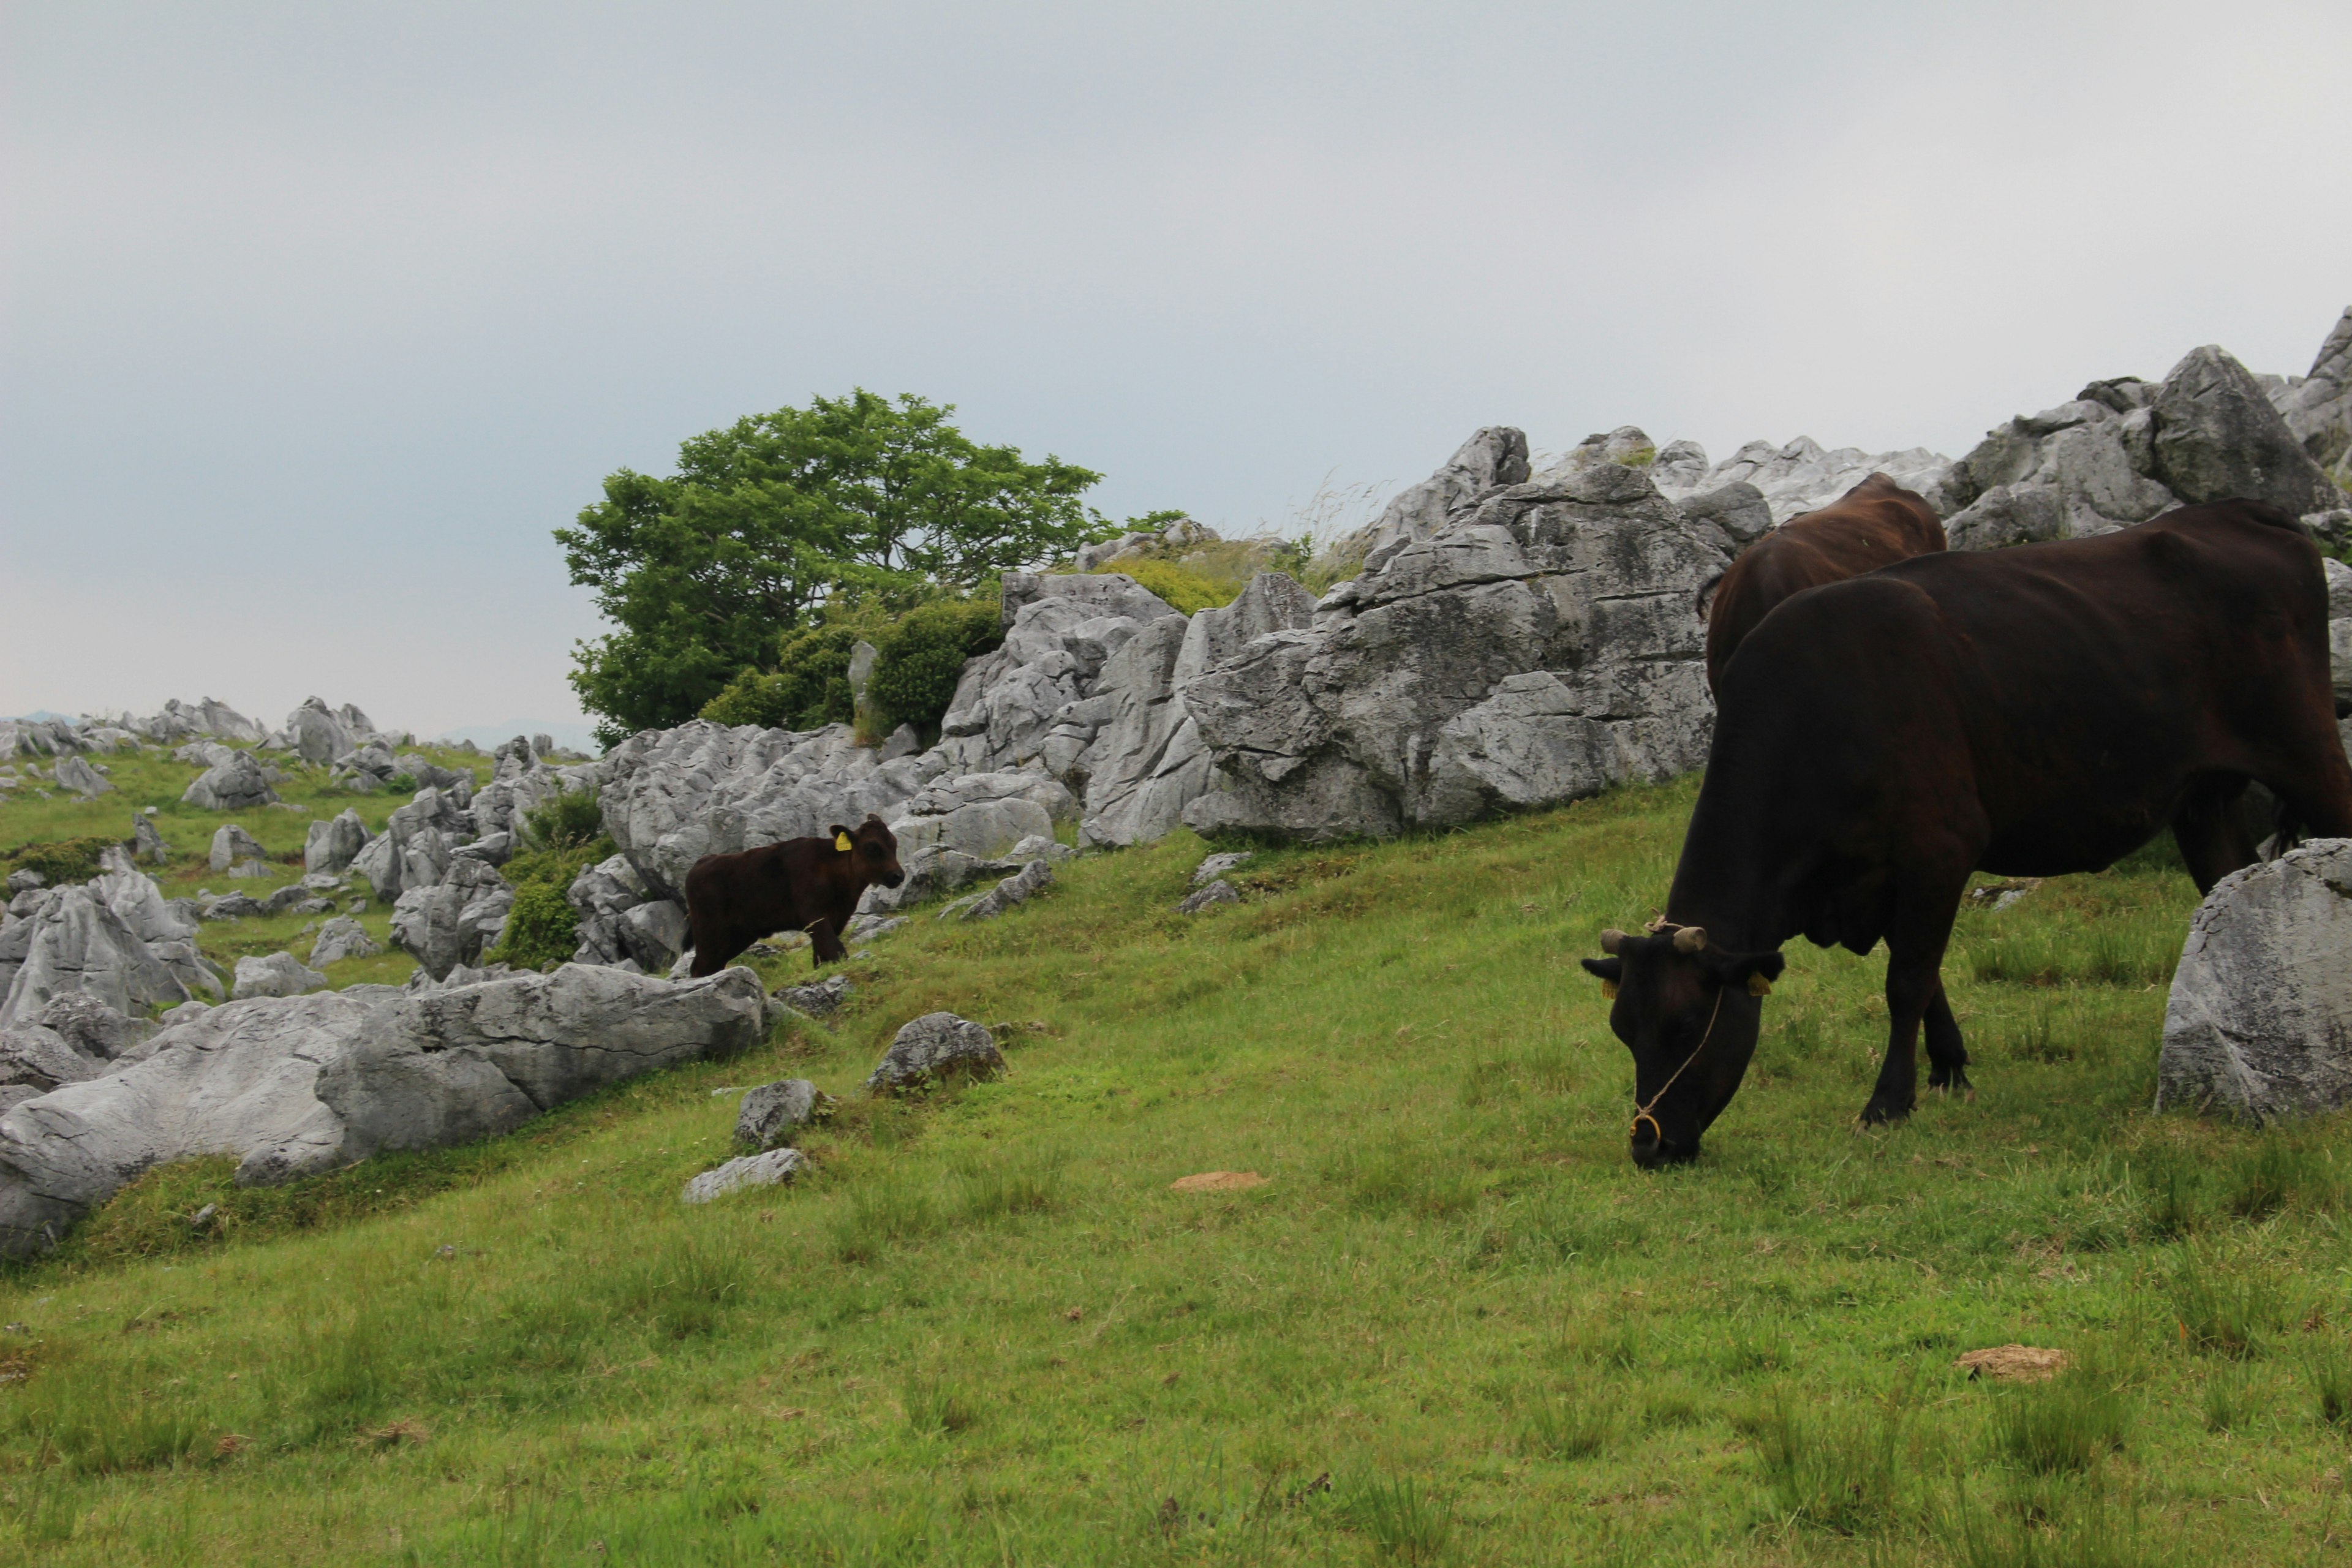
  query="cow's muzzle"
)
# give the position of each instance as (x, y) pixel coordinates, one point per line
(892, 878)
(1651, 1147)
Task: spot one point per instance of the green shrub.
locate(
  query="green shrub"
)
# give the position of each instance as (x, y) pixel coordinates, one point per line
(1183, 589)
(808, 690)
(67, 861)
(923, 657)
(567, 822)
(542, 929)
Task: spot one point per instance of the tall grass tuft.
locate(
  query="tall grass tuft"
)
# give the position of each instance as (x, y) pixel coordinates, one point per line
(1568, 1427)
(886, 1211)
(683, 1285)
(2063, 1427)
(934, 1405)
(2219, 1314)
(2328, 1364)
(1402, 1519)
(1842, 1473)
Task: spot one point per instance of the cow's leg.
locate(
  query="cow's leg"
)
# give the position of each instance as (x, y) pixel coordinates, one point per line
(715, 948)
(826, 946)
(1947, 1054)
(2211, 832)
(1914, 983)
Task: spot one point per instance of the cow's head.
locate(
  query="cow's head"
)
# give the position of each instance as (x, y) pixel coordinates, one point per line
(873, 850)
(1688, 1010)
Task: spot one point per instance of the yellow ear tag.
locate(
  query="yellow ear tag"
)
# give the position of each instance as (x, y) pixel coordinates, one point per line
(841, 842)
(1759, 986)
(1609, 991)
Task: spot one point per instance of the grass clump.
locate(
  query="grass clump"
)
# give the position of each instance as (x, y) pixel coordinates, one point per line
(65, 861)
(1568, 1427)
(1840, 1471)
(2062, 1427)
(1402, 1519)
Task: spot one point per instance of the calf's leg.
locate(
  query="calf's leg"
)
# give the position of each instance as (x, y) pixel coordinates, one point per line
(824, 945)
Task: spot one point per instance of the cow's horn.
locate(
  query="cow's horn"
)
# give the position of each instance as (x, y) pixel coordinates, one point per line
(1611, 940)
(1690, 939)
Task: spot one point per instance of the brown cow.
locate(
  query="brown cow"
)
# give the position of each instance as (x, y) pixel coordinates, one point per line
(1875, 524)
(800, 884)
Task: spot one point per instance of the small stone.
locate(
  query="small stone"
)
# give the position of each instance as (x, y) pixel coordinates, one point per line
(203, 1216)
(1216, 866)
(274, 974)
(935, 1047)
(751, 1171)
(773, 1112)
(1215, 893)
(822, 1000)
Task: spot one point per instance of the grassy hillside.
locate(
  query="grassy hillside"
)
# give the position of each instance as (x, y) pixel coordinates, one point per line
(1454, 1325)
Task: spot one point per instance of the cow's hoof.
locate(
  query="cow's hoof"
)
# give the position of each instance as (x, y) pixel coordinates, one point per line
(1883, 1113)
(1955, 1082)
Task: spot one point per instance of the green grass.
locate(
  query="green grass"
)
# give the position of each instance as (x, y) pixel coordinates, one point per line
(1456, 1325)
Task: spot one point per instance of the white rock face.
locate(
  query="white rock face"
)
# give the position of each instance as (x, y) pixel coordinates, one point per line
(1493, 457)
(274, 974)
(1800, 477)
(1543, 648)
(2317, 407)
(299, 1085)
(448, 923)
(235, 784)
(74, 941)
(2260, 1019)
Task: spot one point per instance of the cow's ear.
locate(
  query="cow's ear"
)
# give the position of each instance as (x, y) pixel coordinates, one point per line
(1608, 971)
(838, 831)
(840, 838)
(1757, 971)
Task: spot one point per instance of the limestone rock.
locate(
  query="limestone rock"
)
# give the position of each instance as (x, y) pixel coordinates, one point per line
(149, 840)
(92, 1027)
(274, 974)
(450, 922)
(1492, 457)
(1217, 892)
(820, 1000)
(766, 1170)
(599, 896)
(1546, 646)
(36, 1057)
(2317, 408)
(1797, 477)
(1215, 865)
(73, 773)
(773, 1112)
(2217, 436)
(655, 934)
(232, 843)
(933, 1048)
(332, 845)
(319, 734)
(297, 1086)
(76, 942)
(2259, 1021)
(235, 785)
(1016, 890)
(342, 937)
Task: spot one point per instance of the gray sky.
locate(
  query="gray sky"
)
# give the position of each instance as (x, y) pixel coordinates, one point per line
(318, 318)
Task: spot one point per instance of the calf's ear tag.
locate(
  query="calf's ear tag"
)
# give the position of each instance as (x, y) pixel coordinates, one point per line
(1609, 991)
(841, 842)
(1759, 986)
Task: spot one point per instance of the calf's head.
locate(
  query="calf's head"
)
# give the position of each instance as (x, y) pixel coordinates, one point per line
(873, 850)
(1688, 1010)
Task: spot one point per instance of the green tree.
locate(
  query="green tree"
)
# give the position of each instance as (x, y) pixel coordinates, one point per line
(768, 519)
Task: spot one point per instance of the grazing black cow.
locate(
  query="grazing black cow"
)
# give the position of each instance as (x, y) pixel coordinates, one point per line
(2030, 711)
(1875, 524)
(800, 884)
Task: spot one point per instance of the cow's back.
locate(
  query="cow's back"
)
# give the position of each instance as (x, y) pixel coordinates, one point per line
(1875, 524)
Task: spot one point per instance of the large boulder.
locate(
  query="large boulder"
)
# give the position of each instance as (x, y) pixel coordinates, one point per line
(1544, 648)
(773, 1113)
(1799, 476)
(332, 845)
(75, 774)
(236, 784)
(319, 734)
(300, 1084)
(2317, 408)
(274, 974)
(2259, 1024)
(448, 923)
(232, 843)
(934, 1047)
(342, 937)
(75, 941)
(2218, 437)
(599, 897)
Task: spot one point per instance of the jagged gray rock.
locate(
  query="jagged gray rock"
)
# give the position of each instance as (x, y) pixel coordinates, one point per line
(655, 934)
(2217, 436)
(235, 784)
(332, 845)
(1492, 457)
(36, 1058)
(821, 999)
(773, 1112)
(1016, 890)
(274, 974)
(295, 1085)
(751, 1171)
(317, 732)
(452, 921)
(342, 937)
(1797, 477)
(933, 1048)
(148, 840)
(73, 773)
(1217, 892)
(75, 941)
(1215, 865)
(1545, 649)
(2259, 1021)
(599, 897)
(2317, 407)
(232, 843)
(92, 1027)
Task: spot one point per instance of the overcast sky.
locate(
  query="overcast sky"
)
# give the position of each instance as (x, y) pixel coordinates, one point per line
(318, 318)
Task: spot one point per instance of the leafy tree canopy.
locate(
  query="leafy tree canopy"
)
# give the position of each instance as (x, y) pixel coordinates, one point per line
(768, 520)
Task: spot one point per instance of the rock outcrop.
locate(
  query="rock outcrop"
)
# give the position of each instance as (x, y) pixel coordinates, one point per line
(299, 1085)
(934, 1047)
(2317, 407)
(449, 921)
(332, 845)
(773, 1113)
(1544, 648)
(2259, 1023)
(235, 784)
(2126, 451)
(274, 974)
(1491, 458)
